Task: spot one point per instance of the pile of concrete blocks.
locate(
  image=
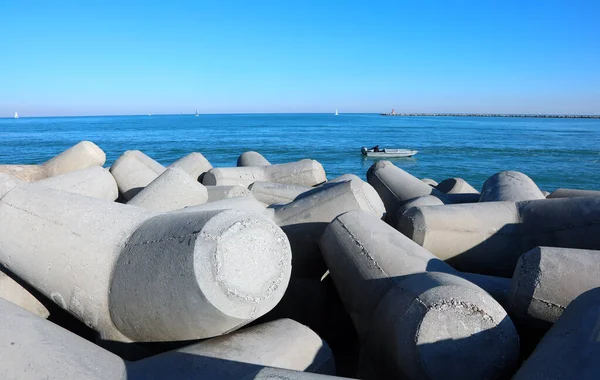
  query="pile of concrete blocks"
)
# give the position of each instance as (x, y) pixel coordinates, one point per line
(270, 270)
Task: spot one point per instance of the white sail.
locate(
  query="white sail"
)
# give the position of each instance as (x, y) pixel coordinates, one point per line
(16, 115)
(196, 112)
(336, 112)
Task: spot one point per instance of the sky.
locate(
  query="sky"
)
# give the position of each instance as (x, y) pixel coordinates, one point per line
(254, 56)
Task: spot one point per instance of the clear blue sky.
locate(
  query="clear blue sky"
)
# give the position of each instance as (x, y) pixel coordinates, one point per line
(108, 57)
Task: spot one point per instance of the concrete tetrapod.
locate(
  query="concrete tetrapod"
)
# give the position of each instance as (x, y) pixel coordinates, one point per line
(247, 204)
(456, 186)
(80, 156)
(571, 348)
(305, 219)
(194, 164)
(133, 171)
(217, 193)
(303, 172)
(430, 182)
(94, 181)
(172, 190)
(270, 193)
(547, 279)
(510, 186)
(396, 187)
(144, 276)
(12, 291)
(490, 237)
(44, 350)
(251, 158)
(573, 193)
(415, 319)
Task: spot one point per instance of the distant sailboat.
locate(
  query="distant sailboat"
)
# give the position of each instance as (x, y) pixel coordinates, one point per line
(16, 115)
(336, 112)
(196, 112)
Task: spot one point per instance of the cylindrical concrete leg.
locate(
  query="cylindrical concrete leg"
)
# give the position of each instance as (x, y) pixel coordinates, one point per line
(415, 324)
(172, 190)
(194, 164)
(133, 171)
(11, 291)
(510, 186)
(217, 193)
(456, 186)
(425, 200)
(247, 204)
(252, 158)
(270, 193)
(573, 193)
(94, 181)
(430, 182)
(570, 350)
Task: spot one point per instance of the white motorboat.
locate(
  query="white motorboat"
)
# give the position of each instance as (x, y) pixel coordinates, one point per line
(387, 153)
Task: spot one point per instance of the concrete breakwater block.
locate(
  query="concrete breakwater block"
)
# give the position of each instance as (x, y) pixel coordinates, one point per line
(251, 158)
(397, 187)
(456, 186)
(571, 348)
(573, 193)
(217, 193)
(80, 156)
(490, 237)
(143, 277)
(305, 219)
(415, 320)
(270, 193)
(12, 291)
(246, 204)
(430, 182)
(510, 186)
(194, 164)
(133, 171)
(172, 190)
(303, 172)
(547, 279)
(94, 181)
(44, 350)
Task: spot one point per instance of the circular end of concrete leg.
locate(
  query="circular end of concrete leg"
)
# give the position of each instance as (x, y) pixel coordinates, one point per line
(242, 263)
(98, 156)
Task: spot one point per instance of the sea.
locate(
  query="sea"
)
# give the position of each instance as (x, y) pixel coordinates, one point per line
(553, 152)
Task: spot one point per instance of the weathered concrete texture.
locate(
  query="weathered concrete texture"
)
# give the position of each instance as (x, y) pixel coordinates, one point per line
(247, 204)
(133, 171)
(397, 187)
(303, 172)
(94, 181)
(270, 193)
(217, 193)
(570, 350)
(144, 276)
(251, 158)
(11, 291)
(490, 237)
(80, 156)
(172, 190)
(510, 186)
(46, 351)
(430, 182)
(573, 193)
(456, 186)
(547, 279)
(305, 219)
(194, 164)
(414, 318)
(283, 343)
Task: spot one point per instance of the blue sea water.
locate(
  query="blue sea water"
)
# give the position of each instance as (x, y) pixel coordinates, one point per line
(554, 152)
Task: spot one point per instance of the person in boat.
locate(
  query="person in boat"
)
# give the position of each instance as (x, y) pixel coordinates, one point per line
(375, 148)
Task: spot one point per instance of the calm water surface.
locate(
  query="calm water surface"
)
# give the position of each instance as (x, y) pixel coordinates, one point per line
(554, 152)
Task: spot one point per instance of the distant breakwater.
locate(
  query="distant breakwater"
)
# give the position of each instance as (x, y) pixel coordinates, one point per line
(541, 116)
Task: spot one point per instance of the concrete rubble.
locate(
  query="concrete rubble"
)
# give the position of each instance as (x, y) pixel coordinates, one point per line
(271, 271)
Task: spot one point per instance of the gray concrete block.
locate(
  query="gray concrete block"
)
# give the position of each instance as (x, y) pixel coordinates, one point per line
(281, 193)
(490, 237)
(425, 200)
(251, 158)
(194, 164)
(303, 172)
(456, 186)
(415, 319)
(82, 155)
(510, 186)
(143, 276)
(547, 279)
(573, 193)
(133, 171)
(94, 181)
(217, 193)
(172, 190)
(245, 203)
(430, 182)
(571, 348)
(12, 291)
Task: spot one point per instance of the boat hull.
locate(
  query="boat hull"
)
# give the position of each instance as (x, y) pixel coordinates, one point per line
(402, 153)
